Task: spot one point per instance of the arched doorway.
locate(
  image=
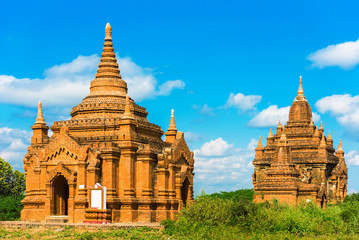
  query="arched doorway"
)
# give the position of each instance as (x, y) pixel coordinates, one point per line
(60, 196)
(184, 191)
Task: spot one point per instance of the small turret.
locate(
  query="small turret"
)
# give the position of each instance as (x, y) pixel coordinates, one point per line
(39, 129)
(322, 142)
(172, 129)
(329, 139)
(340, 153)
(270, 138)
(127, 114)
(259, 149)
(279, 128)
(321, 129)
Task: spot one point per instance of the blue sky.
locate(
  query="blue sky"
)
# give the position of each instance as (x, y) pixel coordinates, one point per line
(230, 69)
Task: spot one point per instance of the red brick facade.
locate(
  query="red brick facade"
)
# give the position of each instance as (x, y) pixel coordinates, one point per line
(108, 141)
(299, 163)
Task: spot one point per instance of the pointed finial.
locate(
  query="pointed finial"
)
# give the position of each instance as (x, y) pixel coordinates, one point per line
(270, 135)
(283, 138)
(300, 95)
(108, 31)
(279, 124)
(321, 126)
(329, 137)
(322, 141)
(259, 146)
(40, 118)
(172, 122)
(340, 148)
(316, 132)
(311, 123)
(127, 114)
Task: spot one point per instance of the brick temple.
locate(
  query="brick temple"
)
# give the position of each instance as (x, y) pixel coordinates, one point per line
(299, 162)
(108, 142)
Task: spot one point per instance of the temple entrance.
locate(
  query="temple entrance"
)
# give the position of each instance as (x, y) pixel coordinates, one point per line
(61, 196)
(184, 191)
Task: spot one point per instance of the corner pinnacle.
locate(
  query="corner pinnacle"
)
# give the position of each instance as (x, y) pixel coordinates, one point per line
(270, 135)
(322, 142)
(40, 118)
(127, 114)
(329, 137)
(259, 146)
(340, 148)
(172, 125)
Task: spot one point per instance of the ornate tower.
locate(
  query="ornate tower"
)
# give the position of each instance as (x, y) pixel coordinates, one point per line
(108, 141)
(299, 163)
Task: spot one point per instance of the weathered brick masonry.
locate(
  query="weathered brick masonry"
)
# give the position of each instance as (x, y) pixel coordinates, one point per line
(299, 163)
(108, 141)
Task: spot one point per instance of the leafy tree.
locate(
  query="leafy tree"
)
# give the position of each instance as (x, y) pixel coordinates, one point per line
(12, 183)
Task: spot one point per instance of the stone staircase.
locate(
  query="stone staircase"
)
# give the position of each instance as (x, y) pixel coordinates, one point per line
(57, 219)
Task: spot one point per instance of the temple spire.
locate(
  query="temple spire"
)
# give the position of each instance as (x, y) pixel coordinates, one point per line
(270, 135)
(300, 94)
(172, 130)
(340, 148)
(321, 126)
(329, 137)
(127, 114)
(322, 142)
(172, 122)
(108, 80)
(259, 146)
(40, 118)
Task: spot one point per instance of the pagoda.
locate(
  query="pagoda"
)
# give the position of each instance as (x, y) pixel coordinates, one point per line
(109, 143)
(299, 163)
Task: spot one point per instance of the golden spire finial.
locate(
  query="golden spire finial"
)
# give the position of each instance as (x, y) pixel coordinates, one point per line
(340, 148)
(259, 146)
(322, 141)
(108, 31)
(329, 137)
(127, 114)
(321, 126)
(279, 124)
(270, 135)
(172, 122)
(40, 118)
(300, 95)
(311, 123)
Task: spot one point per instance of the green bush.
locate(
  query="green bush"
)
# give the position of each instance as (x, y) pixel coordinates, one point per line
(10, 208)
(232, 215)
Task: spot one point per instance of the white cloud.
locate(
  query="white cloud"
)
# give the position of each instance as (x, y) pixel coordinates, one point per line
(191, 137)
(344, 107)
(315, 117)
(205, 109)
(270, 116)
(68, 83)
(215, 148)
(223, 165)
(167, 87)
(252, 144)
(243, 103)
(344, 55)
(352, 158)
(13, 145)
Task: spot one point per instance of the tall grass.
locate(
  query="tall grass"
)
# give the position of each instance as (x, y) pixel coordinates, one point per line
(232, 216)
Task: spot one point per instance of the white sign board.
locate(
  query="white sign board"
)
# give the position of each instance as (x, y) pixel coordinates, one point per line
(96, 199)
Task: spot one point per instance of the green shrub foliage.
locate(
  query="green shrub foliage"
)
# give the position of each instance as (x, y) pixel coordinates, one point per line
(12, 183)
(233, 215)
(12, 189)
